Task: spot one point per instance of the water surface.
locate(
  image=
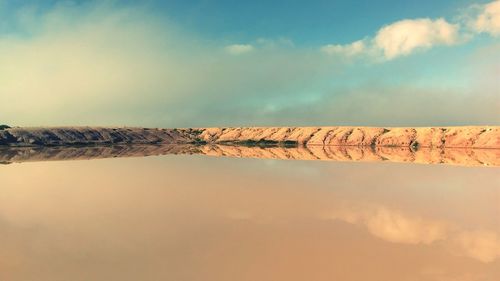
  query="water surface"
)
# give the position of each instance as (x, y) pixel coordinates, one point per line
(194, 217)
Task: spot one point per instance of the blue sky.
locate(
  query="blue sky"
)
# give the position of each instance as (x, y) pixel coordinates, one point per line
(232, 63)
(308, 23)
(311, 23)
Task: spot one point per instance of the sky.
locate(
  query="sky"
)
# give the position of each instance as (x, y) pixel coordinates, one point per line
(249, 63)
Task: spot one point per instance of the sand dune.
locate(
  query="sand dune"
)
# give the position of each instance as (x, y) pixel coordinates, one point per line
(456, 137)
(446, 137)
(67, 136)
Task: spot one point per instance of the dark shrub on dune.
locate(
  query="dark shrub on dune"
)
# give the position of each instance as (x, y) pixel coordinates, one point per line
(3, 127)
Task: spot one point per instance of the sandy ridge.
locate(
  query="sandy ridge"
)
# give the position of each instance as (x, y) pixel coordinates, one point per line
(450, 137)
(435, 137)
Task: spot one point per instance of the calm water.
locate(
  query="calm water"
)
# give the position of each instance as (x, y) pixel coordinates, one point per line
(193, 217)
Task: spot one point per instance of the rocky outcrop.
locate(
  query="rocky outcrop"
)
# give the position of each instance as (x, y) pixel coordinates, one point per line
(450, 156)
(414, 138)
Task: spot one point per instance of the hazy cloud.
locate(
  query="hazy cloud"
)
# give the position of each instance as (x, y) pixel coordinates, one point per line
(95, 64)
(347, 50)
(238, 49)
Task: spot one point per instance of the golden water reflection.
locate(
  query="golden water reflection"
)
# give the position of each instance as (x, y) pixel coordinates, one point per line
(181, 217)
(451, 156)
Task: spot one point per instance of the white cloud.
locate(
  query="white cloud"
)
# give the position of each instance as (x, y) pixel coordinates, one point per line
(406, 36)
(401, 38)
(238, 49)
(352, 49)
(488, 20)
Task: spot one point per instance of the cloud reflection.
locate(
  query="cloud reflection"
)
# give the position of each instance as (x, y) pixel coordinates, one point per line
(397, 227)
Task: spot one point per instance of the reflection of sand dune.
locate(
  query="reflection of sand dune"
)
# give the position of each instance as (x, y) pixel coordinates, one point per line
(33, 154)
(463, 157)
